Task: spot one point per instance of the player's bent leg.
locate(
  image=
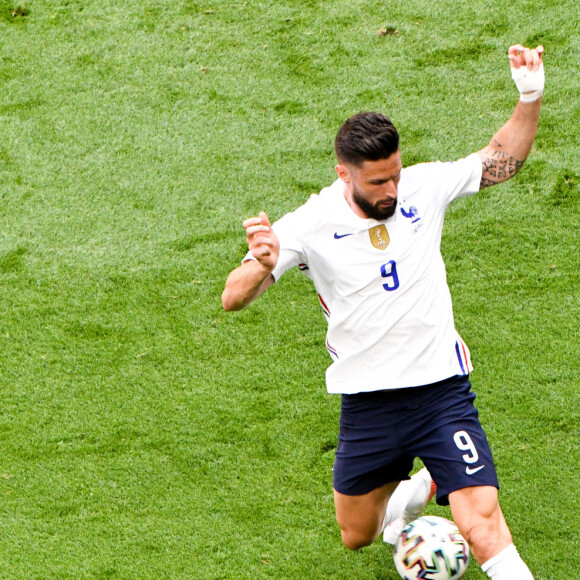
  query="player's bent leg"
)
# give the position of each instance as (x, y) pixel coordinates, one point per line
(478, 516)
(361, 517)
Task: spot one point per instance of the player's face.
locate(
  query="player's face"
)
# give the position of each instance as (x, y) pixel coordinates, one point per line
(371, 190)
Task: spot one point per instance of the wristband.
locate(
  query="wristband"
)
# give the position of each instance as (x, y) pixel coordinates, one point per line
(530, 83)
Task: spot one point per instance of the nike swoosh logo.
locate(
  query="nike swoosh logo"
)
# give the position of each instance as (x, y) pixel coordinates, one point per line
(472, 470)
(337, 236)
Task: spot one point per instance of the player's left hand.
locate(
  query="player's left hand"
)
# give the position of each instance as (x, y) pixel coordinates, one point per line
(520, 56)
(527, 71)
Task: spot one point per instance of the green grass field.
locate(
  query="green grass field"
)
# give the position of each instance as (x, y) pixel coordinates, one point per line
(144, 432)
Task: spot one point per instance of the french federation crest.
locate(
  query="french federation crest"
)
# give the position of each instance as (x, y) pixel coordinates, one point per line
(379, 237)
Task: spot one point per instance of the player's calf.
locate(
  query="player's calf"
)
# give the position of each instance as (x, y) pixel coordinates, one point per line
(480, 520)
(360, 517)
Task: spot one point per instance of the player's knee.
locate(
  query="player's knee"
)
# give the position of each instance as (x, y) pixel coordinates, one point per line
(355, 539)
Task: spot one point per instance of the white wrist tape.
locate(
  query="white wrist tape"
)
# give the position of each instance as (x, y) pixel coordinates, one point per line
(530, 83)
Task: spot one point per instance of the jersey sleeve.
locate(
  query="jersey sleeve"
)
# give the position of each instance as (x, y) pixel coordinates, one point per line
(444, 182)
(463, 177)
(288, 230)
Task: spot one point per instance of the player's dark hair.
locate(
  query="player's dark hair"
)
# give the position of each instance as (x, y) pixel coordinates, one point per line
(366, 137)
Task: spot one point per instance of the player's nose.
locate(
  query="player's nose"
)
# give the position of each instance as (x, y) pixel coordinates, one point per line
(391, 189)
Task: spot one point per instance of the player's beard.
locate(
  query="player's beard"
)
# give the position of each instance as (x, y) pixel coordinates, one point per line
(374, 211)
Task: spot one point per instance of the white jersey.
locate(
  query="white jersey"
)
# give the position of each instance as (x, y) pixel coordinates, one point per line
(382, 284)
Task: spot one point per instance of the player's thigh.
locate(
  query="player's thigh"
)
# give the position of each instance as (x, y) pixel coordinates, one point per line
(452, 443)
(368, 455)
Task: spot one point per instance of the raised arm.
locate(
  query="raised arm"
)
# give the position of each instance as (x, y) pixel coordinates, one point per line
(510, 146)
(253, 277)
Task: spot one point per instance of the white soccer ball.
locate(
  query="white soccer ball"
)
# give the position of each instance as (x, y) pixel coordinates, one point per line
(431, 548)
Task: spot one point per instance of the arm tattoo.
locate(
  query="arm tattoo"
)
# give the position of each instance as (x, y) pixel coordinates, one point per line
(498, 166)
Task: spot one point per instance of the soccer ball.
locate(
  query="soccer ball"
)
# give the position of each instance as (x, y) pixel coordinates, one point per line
(431, 548)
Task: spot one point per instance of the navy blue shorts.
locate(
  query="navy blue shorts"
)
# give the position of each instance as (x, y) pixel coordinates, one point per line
(382, 432)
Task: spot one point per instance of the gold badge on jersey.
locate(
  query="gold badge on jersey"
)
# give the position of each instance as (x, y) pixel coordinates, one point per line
(379, 237)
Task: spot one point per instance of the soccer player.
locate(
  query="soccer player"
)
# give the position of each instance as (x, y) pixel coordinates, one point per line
(371, 244)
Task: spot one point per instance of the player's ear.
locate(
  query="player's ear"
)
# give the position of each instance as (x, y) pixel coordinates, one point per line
(342, 172)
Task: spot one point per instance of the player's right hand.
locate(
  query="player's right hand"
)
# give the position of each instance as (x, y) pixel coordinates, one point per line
(263, 243)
